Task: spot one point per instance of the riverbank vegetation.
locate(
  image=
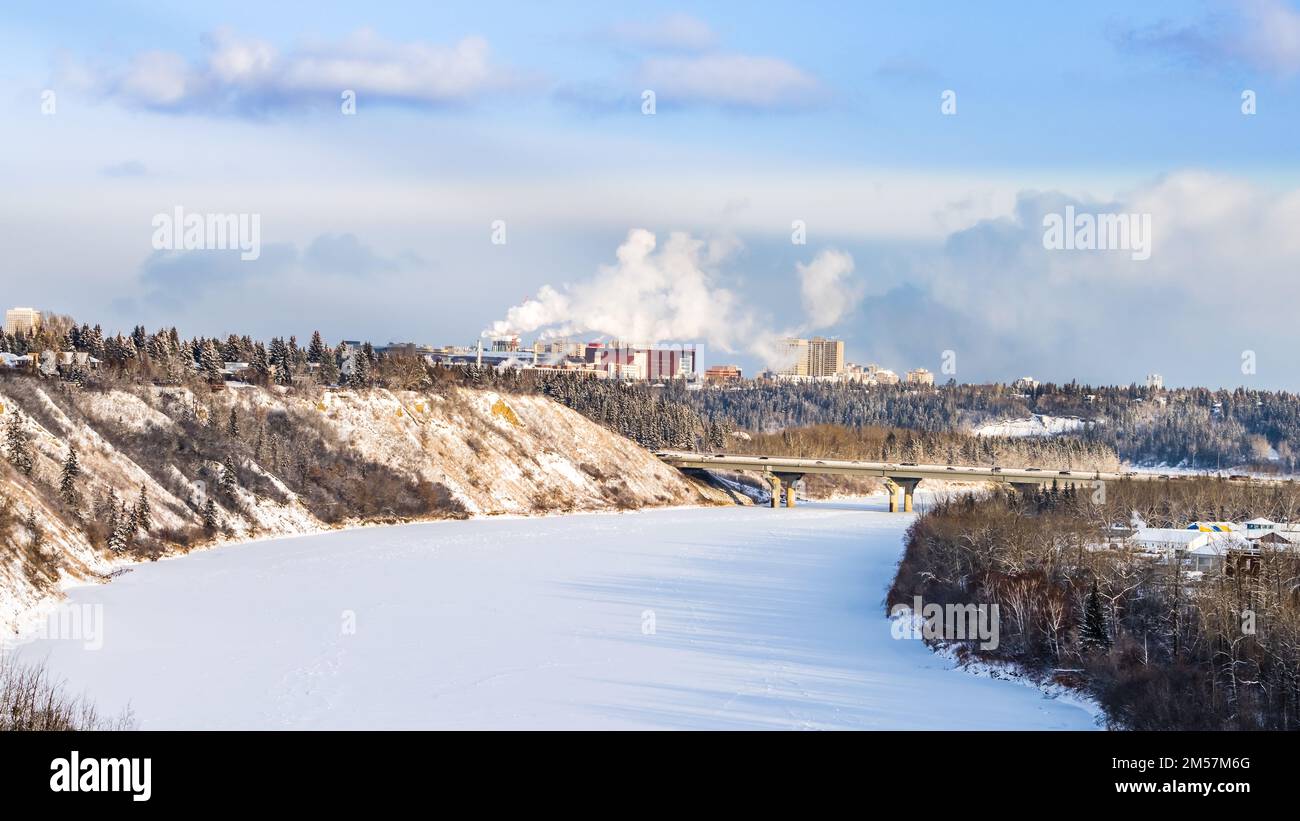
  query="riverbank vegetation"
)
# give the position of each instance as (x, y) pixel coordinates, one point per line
(1160, 647)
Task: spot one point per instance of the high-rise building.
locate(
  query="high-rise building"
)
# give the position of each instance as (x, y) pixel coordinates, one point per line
(920, 376)
(815, 358)
(22, 320)
(1155, 381)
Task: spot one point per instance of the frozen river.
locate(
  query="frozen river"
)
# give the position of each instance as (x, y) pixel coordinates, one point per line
(689, 618)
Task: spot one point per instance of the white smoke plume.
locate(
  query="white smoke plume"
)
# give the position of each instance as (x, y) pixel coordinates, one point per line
(828, 290)
(673, 293)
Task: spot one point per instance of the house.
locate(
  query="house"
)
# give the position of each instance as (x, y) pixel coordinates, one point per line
(1259, 526)
(1218, 549)
(1234, 553)
(1273, 540)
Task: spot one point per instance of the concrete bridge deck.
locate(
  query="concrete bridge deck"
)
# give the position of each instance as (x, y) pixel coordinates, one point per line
(905, 476)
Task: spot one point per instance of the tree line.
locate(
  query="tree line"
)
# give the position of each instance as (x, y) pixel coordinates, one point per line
(1160, 647)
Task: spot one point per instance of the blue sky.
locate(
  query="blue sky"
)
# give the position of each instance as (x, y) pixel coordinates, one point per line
(923, 229)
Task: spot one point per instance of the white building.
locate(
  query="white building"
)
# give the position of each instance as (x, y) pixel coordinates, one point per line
(1155, 381)
(920, 376)
(1166, 540)
(22, 320)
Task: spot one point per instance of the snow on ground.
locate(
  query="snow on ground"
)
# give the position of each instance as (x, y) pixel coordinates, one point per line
(1188, 470)
(680, 618)
(1036, 425)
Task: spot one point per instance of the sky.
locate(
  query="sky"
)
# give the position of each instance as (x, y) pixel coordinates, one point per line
(720, 174)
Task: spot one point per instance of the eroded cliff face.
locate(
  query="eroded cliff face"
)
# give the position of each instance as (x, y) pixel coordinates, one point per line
(286, 463)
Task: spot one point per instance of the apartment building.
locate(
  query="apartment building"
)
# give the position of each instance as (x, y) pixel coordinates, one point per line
(22, 320)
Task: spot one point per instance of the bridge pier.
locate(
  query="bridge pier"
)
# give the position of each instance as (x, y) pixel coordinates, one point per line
(774, 482)
(892, 489)
(789, 480)
(904, 484)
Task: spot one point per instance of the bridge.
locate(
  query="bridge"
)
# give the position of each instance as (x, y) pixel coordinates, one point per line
(900, 477)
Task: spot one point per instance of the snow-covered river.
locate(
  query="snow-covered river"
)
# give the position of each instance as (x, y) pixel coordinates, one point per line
(689, 618)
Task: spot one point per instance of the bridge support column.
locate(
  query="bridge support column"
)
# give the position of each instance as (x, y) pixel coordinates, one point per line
(789, 480)
(774, 482)
(908, 487)
(892, 488)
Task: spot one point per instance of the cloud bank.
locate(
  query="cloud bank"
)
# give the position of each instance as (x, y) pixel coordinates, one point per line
(244, 75)
(1257, 34)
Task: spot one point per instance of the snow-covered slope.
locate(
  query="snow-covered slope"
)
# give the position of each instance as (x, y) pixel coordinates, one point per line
(464, 452)
(1036, 425)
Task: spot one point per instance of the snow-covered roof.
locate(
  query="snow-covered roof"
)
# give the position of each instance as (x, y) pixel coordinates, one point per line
(1168, 535)
(1260, 520)
(1212, 527)
(1218, 547)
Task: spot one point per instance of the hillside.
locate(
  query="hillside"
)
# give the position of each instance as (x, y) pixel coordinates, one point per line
(238, 464)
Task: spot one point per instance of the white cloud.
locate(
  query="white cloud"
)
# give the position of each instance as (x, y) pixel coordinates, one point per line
(675, 32)
(730, 80)
(1222, 260)
(1271, 38)
(156, 78)
(1259, 34)
(242, 74)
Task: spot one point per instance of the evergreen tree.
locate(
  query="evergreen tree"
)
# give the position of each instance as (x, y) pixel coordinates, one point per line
(328, 373)
(261, 363)
(20, 456)
(210, 521)
(210, 362)
(281, 358)
(143, 514)
(316, 350)
(117, 537)
(360, 370)
(229, 480)
(131, 522)
(68, 479)
(109, 512)
(232, 425)
(1095, 635)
